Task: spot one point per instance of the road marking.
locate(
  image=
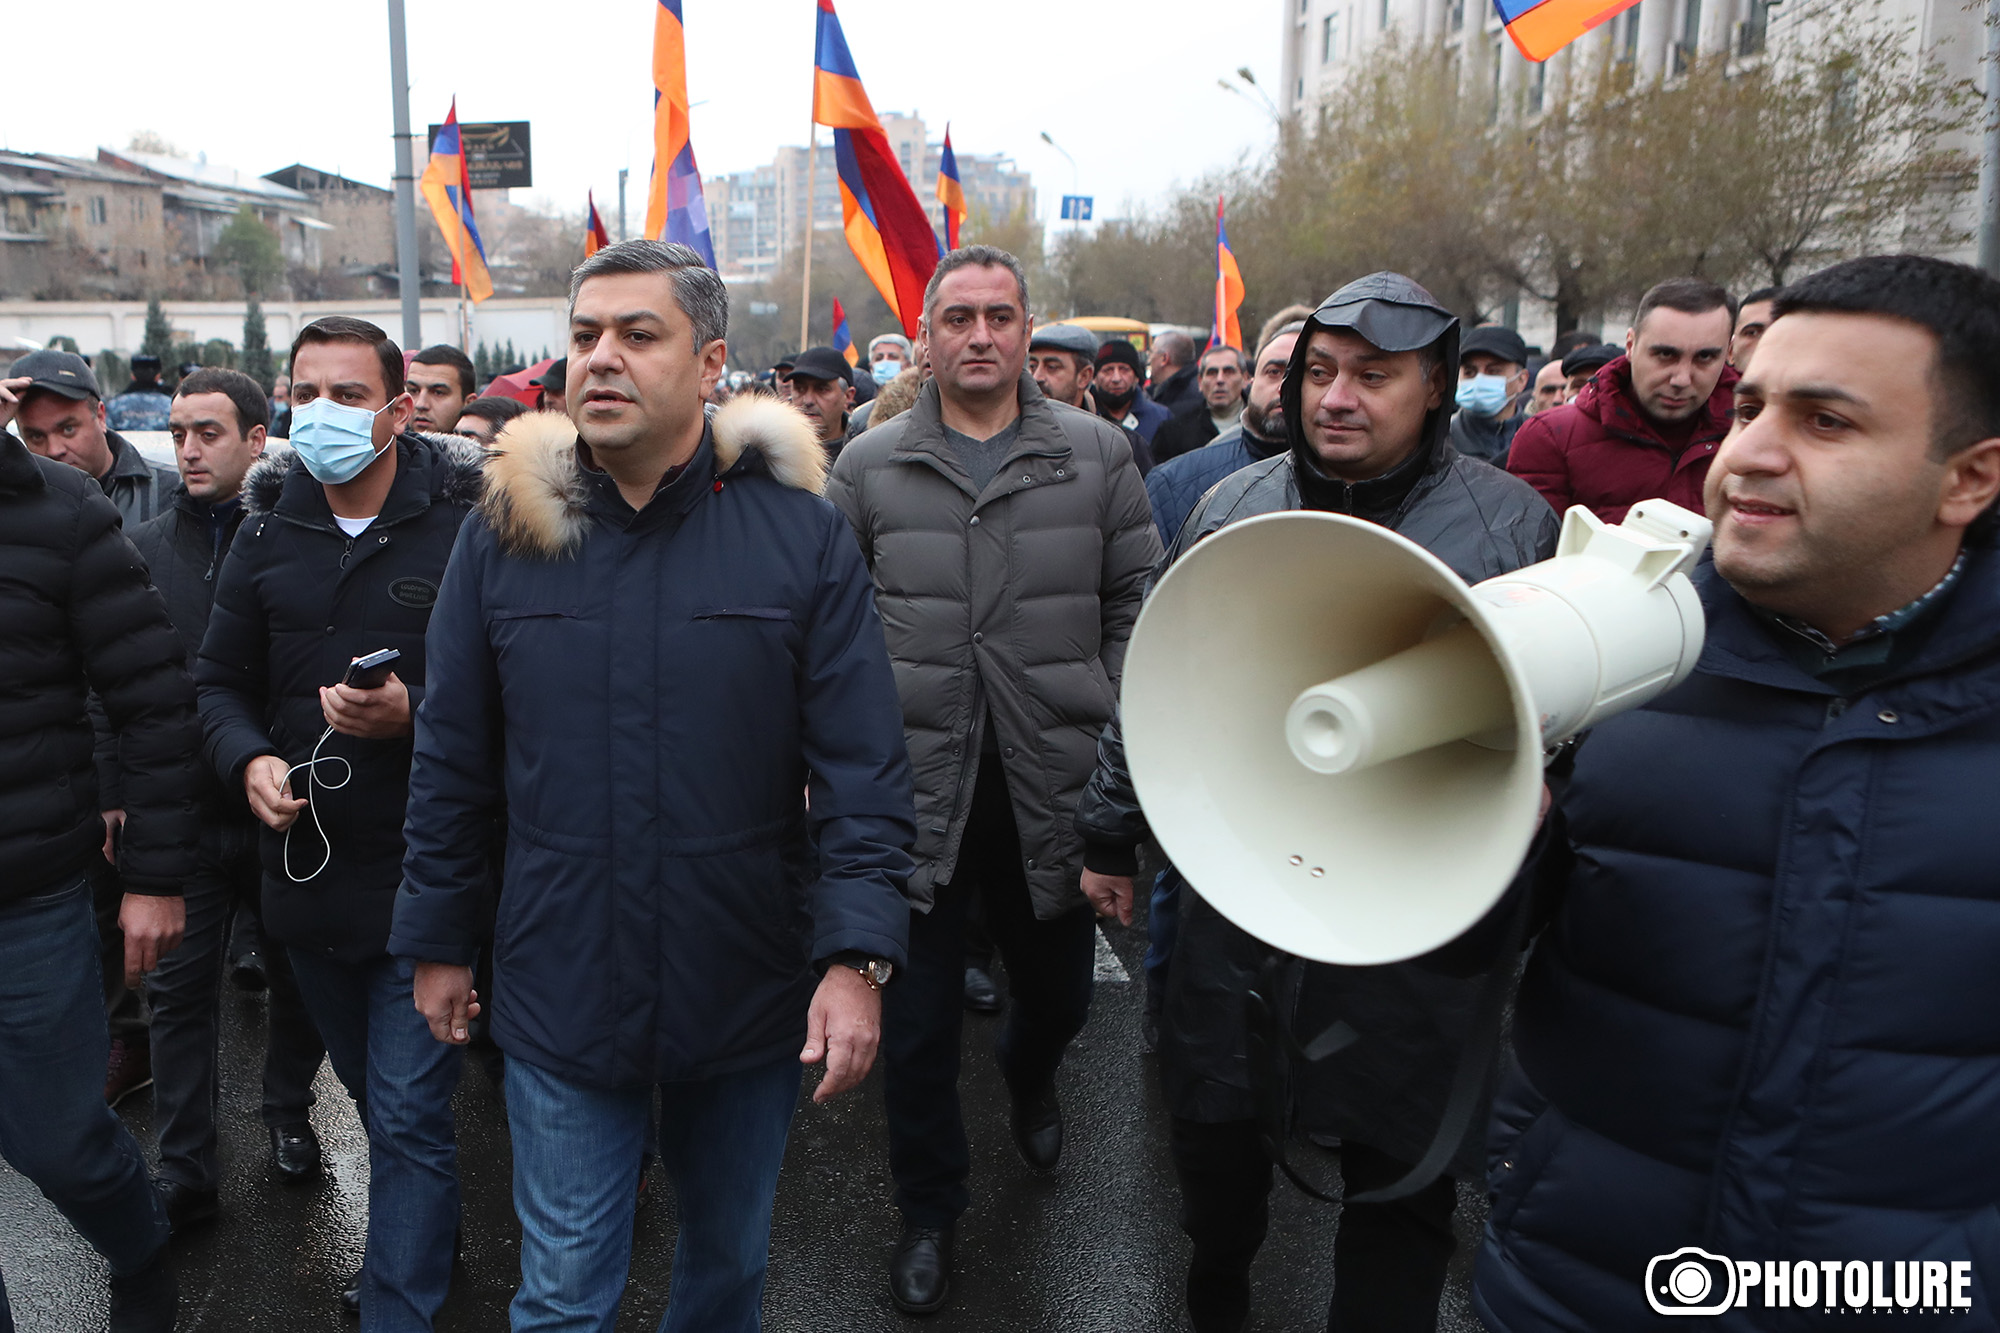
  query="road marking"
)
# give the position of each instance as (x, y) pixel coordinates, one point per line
(1108, 968)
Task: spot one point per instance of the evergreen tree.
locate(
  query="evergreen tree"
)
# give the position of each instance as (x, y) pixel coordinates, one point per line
(482, 363)
(508, 358)
(159, 340)
(219, 352)
(257, 347)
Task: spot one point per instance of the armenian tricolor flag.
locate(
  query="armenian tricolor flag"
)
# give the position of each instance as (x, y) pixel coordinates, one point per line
(886, 227)
(843, 341)
(950, 192)
(447, 188)
(595, 237)
(1543, 27)
(676, 209)
(1228, 288)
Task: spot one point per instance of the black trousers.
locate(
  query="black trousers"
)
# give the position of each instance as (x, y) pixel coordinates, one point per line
(186, 996)
(1049, 966)
(1389, 1259)
(122, 1011)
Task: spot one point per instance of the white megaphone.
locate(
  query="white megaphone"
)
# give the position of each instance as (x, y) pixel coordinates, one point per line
(1339, 743)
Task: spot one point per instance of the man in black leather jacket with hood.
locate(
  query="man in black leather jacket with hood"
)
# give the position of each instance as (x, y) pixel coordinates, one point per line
(1367, 406)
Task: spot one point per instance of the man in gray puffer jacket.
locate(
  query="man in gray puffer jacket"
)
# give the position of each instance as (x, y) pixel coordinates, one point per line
(1367, 407)
(1010, 539)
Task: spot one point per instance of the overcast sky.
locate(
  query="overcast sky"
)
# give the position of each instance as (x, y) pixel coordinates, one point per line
(1129, 88)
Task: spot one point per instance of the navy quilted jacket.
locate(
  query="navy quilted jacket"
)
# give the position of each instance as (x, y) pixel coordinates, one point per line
(687, 721)
(1766, 1017)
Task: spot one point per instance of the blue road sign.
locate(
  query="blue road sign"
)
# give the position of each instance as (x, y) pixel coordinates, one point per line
(1076, 207)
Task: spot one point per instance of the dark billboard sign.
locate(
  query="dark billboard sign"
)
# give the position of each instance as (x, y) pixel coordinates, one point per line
(497, 156)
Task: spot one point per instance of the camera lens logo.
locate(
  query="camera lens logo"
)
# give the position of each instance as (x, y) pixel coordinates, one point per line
(1690, 1281)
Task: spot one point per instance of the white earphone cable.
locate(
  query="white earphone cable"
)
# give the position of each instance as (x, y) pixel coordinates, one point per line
(309, 765)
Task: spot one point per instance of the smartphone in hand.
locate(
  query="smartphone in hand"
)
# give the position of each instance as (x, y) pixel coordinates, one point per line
(371, 672)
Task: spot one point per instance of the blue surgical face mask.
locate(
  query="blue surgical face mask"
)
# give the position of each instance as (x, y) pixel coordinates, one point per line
(1482, 395)
(885, 370)
(335, 442)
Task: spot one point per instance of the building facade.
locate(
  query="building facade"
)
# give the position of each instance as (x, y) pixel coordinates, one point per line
(69, 226)
(361, 218)
(758, 217)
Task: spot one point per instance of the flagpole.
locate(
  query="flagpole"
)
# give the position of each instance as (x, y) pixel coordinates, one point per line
(812, 202)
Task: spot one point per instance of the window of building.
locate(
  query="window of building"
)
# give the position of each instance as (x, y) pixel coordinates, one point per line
(1625, 39)
(1493, 104)
(1329, 38)
(99, 214)
(1455, 15)
(1383, 21)
(1689, 46)
(1756, 26)
(1538, 83)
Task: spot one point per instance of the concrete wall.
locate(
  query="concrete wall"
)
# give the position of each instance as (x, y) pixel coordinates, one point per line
(531, 322)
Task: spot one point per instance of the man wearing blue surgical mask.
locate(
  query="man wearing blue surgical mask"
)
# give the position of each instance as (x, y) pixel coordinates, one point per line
(1492, 377)
(340, 554)
(888, 356)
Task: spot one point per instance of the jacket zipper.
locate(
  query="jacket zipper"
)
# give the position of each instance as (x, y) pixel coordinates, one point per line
(347, 552)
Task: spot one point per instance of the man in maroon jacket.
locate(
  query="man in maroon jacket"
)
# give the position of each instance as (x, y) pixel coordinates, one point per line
(1649, 424)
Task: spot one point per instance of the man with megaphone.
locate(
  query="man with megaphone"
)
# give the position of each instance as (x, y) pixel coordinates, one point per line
(1367, 405)
(1758, 1042)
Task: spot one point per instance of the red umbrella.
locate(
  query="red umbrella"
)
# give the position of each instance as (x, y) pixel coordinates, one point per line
(520, 385)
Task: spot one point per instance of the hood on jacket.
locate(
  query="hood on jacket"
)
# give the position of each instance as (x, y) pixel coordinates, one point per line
(1395, 314)
(459, 477)
(535, 496)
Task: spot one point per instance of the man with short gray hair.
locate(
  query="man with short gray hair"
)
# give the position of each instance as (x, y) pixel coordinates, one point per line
(1010, 539)
(706, 848)
(1172, 371)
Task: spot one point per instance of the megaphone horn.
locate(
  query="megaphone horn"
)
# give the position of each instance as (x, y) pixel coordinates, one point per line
(1338, 742)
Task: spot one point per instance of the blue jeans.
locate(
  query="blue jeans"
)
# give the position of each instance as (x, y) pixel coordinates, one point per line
(401, 1079)
(576, 1173)
(54, 1126)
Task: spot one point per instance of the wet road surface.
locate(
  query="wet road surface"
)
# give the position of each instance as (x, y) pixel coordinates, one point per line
(1093, 1248)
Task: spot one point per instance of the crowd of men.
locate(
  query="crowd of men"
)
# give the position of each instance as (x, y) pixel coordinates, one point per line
(672, 740)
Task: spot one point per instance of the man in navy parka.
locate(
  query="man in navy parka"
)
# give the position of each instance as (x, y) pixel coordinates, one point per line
(656, 662)
(1759, 1042)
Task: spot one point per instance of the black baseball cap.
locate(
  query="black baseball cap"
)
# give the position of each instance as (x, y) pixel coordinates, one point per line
(556, 377)
(64, 373)
(1590, 360)
(1494, 340)
(822, 363)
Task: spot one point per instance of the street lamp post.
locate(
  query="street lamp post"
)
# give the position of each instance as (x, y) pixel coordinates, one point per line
(406, 181)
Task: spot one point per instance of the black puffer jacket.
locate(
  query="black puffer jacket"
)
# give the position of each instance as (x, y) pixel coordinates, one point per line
(183, 548)
(1389, 1089)
(296, 601)
(80, 616)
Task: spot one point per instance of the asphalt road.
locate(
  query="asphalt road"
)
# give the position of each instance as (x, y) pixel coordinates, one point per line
(1093, 1247)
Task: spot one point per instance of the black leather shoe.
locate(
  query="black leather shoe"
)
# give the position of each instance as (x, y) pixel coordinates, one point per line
(350, 1297)
(186, 1206)
(920, 1270)
(981, 995)
(295, 1152)
(1038, 1128)
(146, 1302)
(1218, 1299)
(249, 974)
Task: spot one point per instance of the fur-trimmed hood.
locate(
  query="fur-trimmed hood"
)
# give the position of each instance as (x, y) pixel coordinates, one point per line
(535, 495)
(458, 479)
